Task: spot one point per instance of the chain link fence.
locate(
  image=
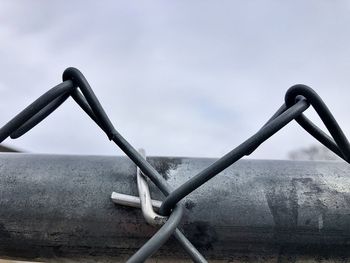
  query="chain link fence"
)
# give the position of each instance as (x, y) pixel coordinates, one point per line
(298, 98)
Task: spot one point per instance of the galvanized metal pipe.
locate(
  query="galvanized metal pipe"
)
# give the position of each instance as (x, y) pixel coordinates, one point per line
(54, 206)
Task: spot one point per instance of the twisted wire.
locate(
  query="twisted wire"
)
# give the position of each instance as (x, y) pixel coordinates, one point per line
(298, 98)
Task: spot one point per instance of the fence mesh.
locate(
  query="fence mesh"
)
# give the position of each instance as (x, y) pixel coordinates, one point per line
(298, 98)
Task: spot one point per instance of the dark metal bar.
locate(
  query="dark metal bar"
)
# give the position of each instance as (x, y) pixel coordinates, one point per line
(59, 206)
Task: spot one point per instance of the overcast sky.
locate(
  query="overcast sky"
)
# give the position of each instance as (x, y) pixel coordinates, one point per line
(179, 78)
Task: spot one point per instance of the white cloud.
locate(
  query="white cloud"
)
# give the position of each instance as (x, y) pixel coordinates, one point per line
(177, 78)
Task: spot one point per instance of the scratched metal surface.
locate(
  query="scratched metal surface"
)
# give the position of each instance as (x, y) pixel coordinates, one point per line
(171, 260)
(55, 207)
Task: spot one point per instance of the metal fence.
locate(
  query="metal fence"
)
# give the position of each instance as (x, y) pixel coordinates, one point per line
(297, 99)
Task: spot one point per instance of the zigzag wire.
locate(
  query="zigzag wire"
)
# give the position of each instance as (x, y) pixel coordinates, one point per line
(51, 100)
(338, 143)
(294, 96)
(297, 99)
(237, 153)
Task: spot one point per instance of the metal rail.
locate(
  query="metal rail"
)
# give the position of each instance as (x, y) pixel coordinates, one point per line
(298, 98)
(57, 206)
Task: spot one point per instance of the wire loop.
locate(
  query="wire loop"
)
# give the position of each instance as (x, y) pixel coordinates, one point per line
(297, 99)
